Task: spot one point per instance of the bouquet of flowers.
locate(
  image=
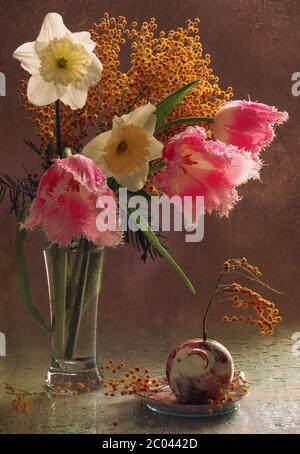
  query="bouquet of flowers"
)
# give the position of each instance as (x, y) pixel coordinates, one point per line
(160, 127)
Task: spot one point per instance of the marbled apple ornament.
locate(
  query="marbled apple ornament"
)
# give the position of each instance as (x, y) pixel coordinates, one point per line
(198, 370)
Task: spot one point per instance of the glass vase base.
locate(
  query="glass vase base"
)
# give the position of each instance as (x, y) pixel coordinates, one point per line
(80, 375)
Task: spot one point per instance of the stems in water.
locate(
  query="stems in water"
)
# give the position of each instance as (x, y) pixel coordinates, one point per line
(75, 316)
(60, 265)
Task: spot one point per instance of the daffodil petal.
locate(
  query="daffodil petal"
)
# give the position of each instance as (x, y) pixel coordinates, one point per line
(95, 148)
(155, 149)
(60, 90)
(96, 65)
(150, 125)
(75, 97)
(41, 93)
(141, 116)
(117, 122)
(84, 38)
(27, 56)
(53, 27)
(136, 181)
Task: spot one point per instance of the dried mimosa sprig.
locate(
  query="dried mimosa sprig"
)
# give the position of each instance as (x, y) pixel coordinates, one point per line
(21, 400)
(118, 381)
(126, 382)
(240, 266)
(266, 315)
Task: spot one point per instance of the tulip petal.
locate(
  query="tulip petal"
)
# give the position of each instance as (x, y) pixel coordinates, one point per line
(53, 27)
(63, 219)
(108, 237)
(136, 181)
(242, 167)
(27, 56)
(84, 171)
(41, 93)
(248, 125)
(199, 167)
(66, 203)
(84, 38)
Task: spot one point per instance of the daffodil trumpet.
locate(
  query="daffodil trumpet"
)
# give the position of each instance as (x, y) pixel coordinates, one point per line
(125, 151)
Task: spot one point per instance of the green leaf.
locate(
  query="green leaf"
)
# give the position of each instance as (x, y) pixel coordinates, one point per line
(145, 227)
(24, 280)
(179, 121)
(32, 146)
(157, 167)
(165, 107)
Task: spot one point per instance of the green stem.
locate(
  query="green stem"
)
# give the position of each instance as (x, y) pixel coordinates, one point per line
(209, 306)
(74, 277)
(75, 315)
(95, 270)
(60, 262)
(58, 128)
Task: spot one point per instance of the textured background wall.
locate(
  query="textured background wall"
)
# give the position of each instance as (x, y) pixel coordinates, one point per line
(255, 46)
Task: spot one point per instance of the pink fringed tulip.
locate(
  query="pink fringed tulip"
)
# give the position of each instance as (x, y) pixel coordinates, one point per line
(65, 205)
(248, 125)
(200, 167)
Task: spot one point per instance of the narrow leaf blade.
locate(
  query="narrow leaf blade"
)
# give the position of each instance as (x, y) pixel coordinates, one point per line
(23, 279)
(179, 121)
(165, 107)
(157, 167)
(145, 227)
(32, 146)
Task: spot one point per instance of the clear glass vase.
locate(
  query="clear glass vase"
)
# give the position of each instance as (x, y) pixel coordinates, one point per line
(74, 282)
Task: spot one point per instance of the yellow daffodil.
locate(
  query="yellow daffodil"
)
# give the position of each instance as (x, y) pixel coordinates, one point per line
(126, 150)
(62, 64)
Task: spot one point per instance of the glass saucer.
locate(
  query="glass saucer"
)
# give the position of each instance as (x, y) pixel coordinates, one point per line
(162, 400)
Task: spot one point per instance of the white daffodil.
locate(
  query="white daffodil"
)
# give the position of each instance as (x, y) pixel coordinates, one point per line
(62, 64)
(126, 150)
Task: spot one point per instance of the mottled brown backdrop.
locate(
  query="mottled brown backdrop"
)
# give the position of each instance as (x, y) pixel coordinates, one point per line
(255, 46)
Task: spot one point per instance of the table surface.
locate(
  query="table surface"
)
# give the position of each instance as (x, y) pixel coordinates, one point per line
(273, 405)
